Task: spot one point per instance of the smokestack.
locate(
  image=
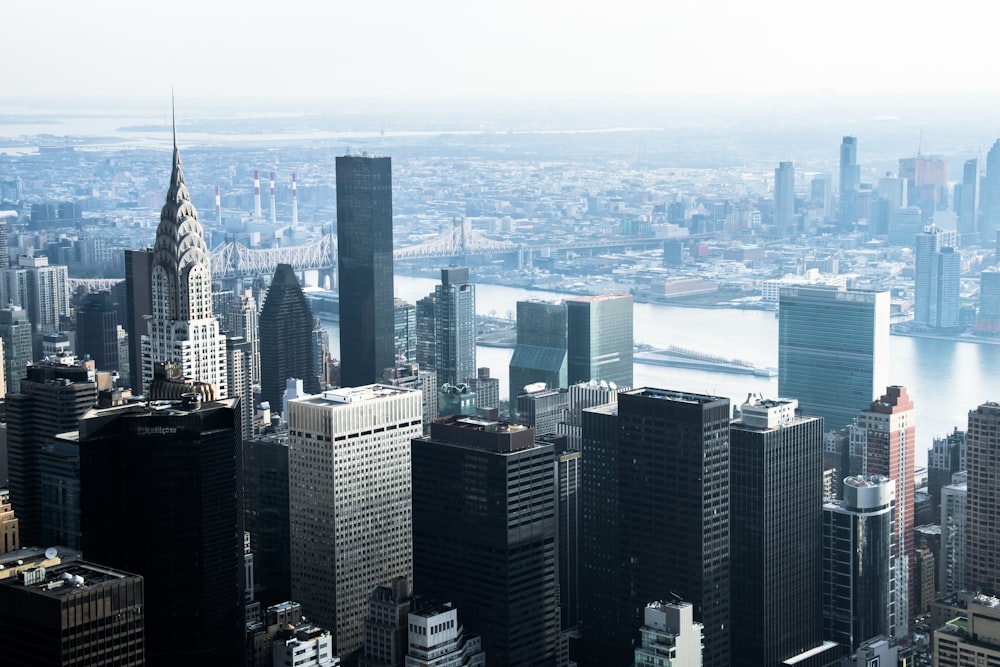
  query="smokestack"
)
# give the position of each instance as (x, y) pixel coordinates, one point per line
(218, 205)
(274, 216)
(256, 197)
(295, 203)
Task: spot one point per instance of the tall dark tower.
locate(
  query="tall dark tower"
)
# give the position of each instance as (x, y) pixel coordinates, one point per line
(162, 496)
(599, 339)
(52, 398)
(97, 330)
(364, 268)
(668, 482)
(776, 492)
(287, 344)
(484, 534)
(138, 304)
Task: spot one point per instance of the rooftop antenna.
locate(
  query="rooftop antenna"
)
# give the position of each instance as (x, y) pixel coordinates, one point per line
(173, 115)
(920, 142)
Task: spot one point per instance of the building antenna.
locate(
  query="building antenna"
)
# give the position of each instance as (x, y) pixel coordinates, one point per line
(173, 115)
(920, 142)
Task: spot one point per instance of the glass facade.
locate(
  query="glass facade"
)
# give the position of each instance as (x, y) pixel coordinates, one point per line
(600, 339)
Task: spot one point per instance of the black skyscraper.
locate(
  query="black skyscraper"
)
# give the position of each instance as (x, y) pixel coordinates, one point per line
(287, 344)
(484, 534)
(97, 330)
(777, 533)
(670, 534)
(364, 267)
(138, 304)
(162, 496)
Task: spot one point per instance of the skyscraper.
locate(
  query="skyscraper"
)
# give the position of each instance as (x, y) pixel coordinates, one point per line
(668, 475)
(138, 304)
(288, 348)
(484, 534)
(238, 375)
(15, 330)
(784, 199)
(405, 338)
(889, 450)
(52, 398)
(988, 320)
(454, 327)
(97, 330)
(182, 328)
(599, 340)
(540, 353)
(162, 496)
(990, 196)
(967, 203)
(47, 292)
(833, 350)
(850, 182)
(364, 268)
(859, 559)
(776, 488)
(938, 269)
(349, 501)
(954, 522)
(982, 570)
(241, 320)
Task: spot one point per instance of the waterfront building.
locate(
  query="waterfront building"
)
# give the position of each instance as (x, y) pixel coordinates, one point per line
(859, 562)
(967, 203)
(938, 271)
(437, 639)
(833, 350)
(349, 502)
(988, 321)
(599, 339)
(784, 199)
(15, 332)
(990, 196)
(540, 353)
(454, 327)
(776, 488)
(73, 613)
(669, 636)
(53, 396)
(484, 534)
(850, 182)
(982, 558)
(663, 471)
(889, 450)
(364, 268)
(288, 348)
(162, 496)
(182, 328)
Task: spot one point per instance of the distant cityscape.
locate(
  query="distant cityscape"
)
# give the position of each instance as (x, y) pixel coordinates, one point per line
(227, 438)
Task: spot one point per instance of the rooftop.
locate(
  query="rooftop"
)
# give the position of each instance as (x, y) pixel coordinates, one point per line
(66, 578)
(369, 392)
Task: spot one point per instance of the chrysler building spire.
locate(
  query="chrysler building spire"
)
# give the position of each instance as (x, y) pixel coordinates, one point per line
(182, 328)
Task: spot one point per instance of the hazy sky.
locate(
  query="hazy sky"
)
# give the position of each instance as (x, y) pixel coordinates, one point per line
(312, 50)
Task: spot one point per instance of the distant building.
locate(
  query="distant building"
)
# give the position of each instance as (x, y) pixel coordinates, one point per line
(982, 559)
(784, 199)
(938, 272)
(73, 613)
(364, 266)
(487, 390)
(454, 326)
(599, 341)
(288, 349)
(988, 321)
(850, 182)
(904, 225)
(967, 203)
(540, 353)
(990, 196)
(859, 559)
(833, 350)
(669, 636)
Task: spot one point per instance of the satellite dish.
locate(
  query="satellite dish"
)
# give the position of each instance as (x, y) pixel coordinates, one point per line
(51, 553)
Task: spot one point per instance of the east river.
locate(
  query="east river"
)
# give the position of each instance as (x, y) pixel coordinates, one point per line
(944, 378)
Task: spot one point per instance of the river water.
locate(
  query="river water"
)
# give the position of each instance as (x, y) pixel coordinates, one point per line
(944, 378)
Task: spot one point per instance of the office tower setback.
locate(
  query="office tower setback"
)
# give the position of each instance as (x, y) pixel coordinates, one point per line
(990, 196)
(15, 331)
(436, 638)
(669, 636)
(484, 534)
(288, 349)
(889, 450)
(938, 271)
(97, 330)
(663, 471)
(833, 350)
(182, 328)
(784, 199)
(364, 268)
(982, 558)
(599, 339)
(75, 613)
(138, 304)
(776, 490)
(411, 376)
(967, 203)
(349, 502)
(454, 327)
(540, 353)
(53, 396)
(850, 182)
(162, 496)
(859, 562)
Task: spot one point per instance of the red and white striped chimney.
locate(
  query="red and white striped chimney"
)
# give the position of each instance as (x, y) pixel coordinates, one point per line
(274, 215)
(295, 203)
(256, 197)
